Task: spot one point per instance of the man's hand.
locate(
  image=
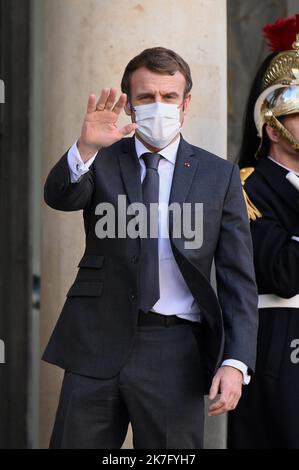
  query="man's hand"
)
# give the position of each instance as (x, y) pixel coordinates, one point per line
(100, 123)
(228, 381)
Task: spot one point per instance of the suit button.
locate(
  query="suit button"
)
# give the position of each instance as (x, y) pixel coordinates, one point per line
(133, 296)
(134, 259)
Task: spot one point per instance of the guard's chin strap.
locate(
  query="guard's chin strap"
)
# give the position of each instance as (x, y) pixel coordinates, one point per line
(276, 124)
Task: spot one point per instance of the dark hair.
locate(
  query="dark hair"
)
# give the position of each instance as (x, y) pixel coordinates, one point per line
(250, 139)
(158, 60)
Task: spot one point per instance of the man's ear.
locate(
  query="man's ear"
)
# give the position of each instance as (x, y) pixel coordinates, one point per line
(186, 104)
(128, 109)
(273, 134)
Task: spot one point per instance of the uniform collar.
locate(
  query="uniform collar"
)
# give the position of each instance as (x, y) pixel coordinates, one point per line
(282, 166)
(275, 175)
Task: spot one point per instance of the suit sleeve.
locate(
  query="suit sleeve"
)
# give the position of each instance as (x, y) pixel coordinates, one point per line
(235, 277)
(61, 194)
(276, 255)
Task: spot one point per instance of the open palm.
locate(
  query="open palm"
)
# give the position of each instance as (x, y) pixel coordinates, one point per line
(100, 123)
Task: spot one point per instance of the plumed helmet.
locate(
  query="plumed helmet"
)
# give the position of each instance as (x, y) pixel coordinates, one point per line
(280, 87)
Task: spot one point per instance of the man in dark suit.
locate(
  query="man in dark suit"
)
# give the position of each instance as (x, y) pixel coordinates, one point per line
(142, 335)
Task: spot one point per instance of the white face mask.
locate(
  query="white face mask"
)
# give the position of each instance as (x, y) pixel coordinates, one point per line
(158, 123)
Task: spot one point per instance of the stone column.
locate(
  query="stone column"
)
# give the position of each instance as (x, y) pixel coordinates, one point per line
(246, 51)
(87, 44)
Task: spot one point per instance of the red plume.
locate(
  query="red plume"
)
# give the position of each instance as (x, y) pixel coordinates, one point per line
(281, 35)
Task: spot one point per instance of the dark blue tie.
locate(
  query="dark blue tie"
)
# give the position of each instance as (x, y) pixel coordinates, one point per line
(149, 268)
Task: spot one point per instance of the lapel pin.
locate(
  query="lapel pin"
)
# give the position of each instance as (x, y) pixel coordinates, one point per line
(187, 165)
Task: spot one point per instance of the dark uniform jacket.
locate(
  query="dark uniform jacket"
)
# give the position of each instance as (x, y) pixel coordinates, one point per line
(268, 412)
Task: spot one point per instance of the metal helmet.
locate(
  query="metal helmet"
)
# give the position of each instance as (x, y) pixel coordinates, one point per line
(280, 94)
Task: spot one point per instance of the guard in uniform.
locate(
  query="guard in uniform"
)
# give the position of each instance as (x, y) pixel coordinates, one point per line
(268, 413)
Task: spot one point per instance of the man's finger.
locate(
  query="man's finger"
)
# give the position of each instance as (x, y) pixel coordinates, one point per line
(120, 104)
(111, 99)
(235, 400)
(217, 405)
(221, 406)
(214, 388)
(102, 100)
(91, 104)
(224, 399)
(228, 401)
(126, 130)
(218, 412)
(233, 395)
(223, 409)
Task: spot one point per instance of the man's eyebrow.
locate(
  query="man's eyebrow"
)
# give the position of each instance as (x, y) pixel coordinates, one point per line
(145, 93)
(172, 93)
(149, 93)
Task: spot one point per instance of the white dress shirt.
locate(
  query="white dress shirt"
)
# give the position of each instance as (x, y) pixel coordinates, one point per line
(175, 296)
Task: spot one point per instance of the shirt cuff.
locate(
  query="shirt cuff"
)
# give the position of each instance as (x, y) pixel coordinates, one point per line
(76, 165)
(295, 238)
(240, 366)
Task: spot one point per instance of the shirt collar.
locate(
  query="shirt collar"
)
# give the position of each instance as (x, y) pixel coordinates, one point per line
(279, 164)
(169, 152)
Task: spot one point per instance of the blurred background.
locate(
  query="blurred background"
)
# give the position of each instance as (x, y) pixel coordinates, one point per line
(53, 53)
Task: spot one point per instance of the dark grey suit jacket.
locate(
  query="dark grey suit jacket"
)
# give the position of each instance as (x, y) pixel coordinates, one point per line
(97, 326)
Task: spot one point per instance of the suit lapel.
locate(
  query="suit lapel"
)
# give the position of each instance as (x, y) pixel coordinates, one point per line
(184, 171)
(130, 170)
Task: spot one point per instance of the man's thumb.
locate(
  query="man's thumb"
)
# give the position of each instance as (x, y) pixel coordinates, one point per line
(126, 130)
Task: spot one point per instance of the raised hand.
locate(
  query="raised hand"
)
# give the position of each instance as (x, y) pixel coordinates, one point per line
(100, 128)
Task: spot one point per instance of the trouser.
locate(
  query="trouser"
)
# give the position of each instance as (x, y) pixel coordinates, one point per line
(159, 390)
(267, 415)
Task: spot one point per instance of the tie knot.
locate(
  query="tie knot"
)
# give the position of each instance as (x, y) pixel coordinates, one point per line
(151, 160)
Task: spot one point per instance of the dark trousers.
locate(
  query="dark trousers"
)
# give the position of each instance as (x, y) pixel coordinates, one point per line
(159, 390)
(267, 416)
